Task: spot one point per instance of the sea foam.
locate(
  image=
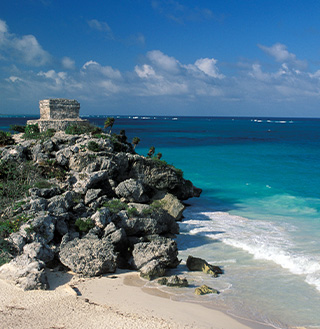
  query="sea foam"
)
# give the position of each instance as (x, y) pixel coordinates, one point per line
(264, 240)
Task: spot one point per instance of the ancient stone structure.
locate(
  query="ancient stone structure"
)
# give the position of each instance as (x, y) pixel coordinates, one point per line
(58, 114)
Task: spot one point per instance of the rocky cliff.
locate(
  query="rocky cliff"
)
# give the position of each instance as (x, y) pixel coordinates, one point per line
(102, 207)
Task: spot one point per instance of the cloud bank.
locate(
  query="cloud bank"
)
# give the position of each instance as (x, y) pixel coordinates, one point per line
(160, 82)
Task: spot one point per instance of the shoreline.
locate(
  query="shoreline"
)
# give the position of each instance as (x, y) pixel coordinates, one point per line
(113, 301)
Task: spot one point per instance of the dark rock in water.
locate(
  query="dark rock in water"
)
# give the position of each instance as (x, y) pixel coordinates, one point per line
(198, 264)
(204, 290)
(152, 258)
(174, 281)
(89, 257)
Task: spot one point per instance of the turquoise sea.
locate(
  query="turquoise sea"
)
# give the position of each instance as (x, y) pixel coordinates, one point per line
(258, 216)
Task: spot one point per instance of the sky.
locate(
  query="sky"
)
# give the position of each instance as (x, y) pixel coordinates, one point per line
(162, 57)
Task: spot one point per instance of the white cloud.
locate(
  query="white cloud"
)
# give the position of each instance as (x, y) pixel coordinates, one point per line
(3, 26)
(87, 64)
(100, 26)
(68, 63)
(280, 53)
(145, 71)
(99, 70)
(208, 66)
(163, 62)
(25, 49)
(163, 75)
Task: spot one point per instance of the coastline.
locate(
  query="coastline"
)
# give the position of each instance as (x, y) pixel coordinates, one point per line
(113, 301)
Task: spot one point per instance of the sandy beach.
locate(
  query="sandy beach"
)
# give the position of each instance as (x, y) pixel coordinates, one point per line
(113, 301)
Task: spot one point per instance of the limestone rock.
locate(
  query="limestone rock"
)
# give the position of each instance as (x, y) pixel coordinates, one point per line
(157, 223)
(204, 290)
(152, 258)
(198, 264)
(89, 257)
(132, 190)
(171, 204)
(28, 273)
(174, 281)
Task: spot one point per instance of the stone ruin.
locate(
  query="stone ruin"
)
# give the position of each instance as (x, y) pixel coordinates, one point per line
(58, 114)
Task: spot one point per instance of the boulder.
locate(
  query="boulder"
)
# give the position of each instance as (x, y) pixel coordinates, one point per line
(37, 250)
(159, 222)
(101, 217)
(174, 281)
(40, 229)
(171, 204)
(28, 273)
(199, 264)
(132, 190)
(204, 290)
(89, 257)
(91, 195)
(153, 258)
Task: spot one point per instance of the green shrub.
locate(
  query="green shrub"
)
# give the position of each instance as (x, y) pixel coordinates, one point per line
(132, 212)
(84, 225)
(32, 132)
(43, 184)
(93, 146)
(147, 211)
(78, 129)
(115, 205)
(48, 133)
(18, 128)
(5, 138)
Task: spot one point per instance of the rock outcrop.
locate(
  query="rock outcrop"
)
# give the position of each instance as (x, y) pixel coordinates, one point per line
(199, 264)
(106, 208)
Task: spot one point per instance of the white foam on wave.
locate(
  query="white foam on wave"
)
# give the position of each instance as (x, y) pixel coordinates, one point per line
(262, 239)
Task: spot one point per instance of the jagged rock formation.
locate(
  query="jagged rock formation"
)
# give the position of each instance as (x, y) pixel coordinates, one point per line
(105, 209)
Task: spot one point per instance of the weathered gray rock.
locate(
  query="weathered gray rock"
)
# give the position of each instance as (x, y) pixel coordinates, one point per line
(28, 273)
(85, 181)
(174, 281)
(89, 257)
(39, 204)
(171, 204)
(159, 222)
(17, 240)
(40, 229)
(101, 217)
(18, 153)
(199, 264)
(132, 190)
(91, 195)
(37, 250)
(61, 203)
(46, 193)
(153, 258)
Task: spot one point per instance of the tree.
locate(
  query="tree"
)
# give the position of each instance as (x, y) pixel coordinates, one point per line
(159, 155)
(109, 123)
(151, 151)
(135, 142)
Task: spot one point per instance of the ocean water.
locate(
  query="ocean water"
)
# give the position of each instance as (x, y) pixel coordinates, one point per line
(258, 216)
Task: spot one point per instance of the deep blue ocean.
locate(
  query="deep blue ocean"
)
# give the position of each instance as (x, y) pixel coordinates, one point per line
(258, 216)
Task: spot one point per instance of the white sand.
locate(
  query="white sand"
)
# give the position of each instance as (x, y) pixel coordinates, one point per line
(114, 301)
